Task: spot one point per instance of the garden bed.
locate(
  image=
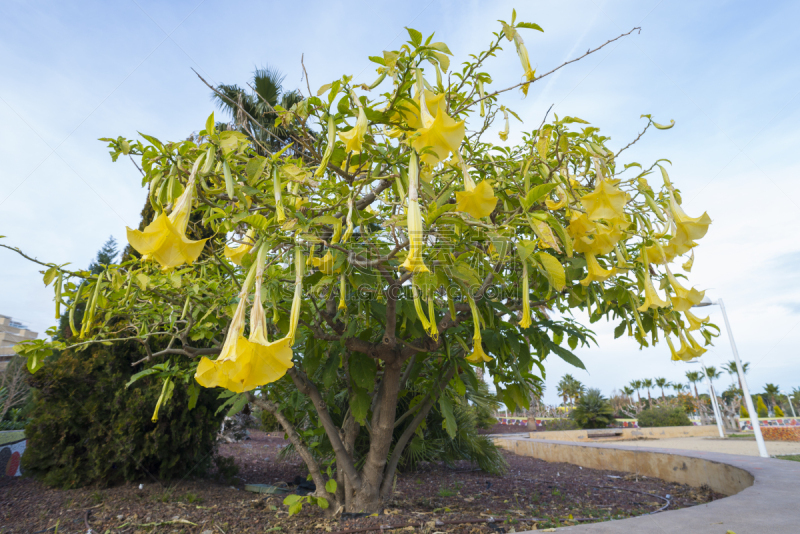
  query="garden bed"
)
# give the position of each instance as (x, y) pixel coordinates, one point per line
(432, 499)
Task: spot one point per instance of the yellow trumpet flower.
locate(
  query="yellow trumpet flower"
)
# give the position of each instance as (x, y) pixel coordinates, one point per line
(442, 134)
(245, 364)
(414, 262)
(354, 138)
(689, 228)
(563, 200)
(689, 347)
(675, 357)
(695, 322)
(596, 273)
(504, 133)
(342, 293)
(525, 321)
(413, 116)
(600, 241)
(478, 355)
(512, 35)
(477, 200)
(684, 298)
(328, 149)
(651, 297)
(688, 265)
(605, 202)
(165, 239)
(325, 264)
(237, 254)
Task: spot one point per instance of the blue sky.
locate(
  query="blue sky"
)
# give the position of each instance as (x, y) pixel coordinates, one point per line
(726, 72)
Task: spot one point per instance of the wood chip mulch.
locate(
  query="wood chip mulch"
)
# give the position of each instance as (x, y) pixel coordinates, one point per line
(533, 494)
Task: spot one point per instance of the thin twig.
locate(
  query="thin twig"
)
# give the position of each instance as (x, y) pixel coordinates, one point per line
(634, 141)
(588, 52)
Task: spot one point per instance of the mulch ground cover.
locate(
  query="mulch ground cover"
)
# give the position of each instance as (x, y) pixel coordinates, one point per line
(533, 495)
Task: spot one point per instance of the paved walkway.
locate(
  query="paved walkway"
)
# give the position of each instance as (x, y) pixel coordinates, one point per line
(740, 446)
(769, 506)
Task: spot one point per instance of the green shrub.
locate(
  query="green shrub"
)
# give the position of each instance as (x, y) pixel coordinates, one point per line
(88, 428)
(268, 422)
(663, 416)
(593, 411)
(761, 408)
(743, 412)
(778, 411)
(560, 424)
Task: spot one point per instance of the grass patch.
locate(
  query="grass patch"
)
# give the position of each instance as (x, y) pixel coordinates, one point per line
(792, 457)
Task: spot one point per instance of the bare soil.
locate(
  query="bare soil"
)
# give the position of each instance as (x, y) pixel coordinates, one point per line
(533, 494)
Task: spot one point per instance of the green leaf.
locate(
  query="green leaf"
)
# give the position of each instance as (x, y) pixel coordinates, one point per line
(530, 26)
(619, 330)
(362, 370)
(359, 405)
(257, 221)
(416, 37)
(194, 392)
(322, 503)
(441, 47)
(525, 248)
(555, 271)
(226, 170)
(295, 508)
(449, 423)
(330, 486)
(536, 194)
(141, 374)
(142, 280)
(566, 355)
(663, 127)
(50, 275)
(210, 124)
(291, 499)
(238, 405)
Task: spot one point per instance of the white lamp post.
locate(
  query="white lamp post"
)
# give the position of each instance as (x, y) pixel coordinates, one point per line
(762, 448)
(715, 406)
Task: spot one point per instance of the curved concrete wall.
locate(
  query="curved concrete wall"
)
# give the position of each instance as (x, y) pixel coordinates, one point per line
(722, 478)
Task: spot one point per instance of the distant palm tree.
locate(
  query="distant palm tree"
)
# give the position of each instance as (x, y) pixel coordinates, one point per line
(732, 369)
(771, 391)
(266, 92)
(662, 383)
(637, 385)
(678, 387)
(563, 388)
(694, 377)
(628, 391)
(647, 384)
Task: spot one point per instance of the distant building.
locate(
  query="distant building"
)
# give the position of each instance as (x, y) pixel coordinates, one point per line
(11, 333)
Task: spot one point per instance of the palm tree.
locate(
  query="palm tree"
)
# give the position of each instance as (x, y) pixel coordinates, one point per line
(637, 385)
(648, 383)
(771, 390)
(628, 391)
(678, 387)
(694, 377)
(662, 382)
(563, 388)
(733, 369)
(260, 103)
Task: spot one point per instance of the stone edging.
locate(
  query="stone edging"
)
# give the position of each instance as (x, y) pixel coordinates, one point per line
(763, 491)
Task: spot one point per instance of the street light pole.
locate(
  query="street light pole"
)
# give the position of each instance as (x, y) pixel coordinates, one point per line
(715, 406)
(762, 448)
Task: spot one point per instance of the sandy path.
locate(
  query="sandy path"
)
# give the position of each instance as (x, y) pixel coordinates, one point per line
(727, 446)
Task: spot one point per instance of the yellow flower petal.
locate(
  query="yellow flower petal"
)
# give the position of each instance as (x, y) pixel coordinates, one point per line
(354, 138)
(480, 202)
(414, 261)
(478, 355)
(237, 254)
(161, 241)
(651, 297)
(605, 202)
(689, 228)
(441, 134)
(596, 273)
(695, 322)
(684, 298)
